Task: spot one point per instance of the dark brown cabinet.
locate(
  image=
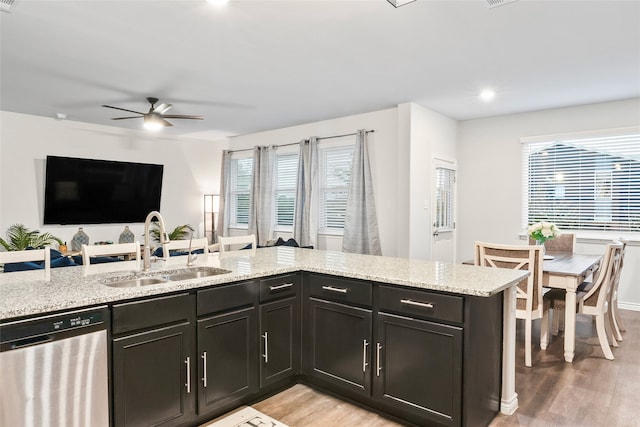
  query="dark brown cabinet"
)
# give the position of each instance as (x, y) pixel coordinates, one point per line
(338, 333)
(227, 353)
(227, 345)
(152, 362)
(279, 328)
(417, 368)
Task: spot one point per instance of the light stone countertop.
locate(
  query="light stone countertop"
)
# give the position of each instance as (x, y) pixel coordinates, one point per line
(26, 293)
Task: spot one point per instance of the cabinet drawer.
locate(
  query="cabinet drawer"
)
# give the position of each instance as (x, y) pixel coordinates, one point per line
(132, 316)
(226, 297)
(278, 287)
(338, 289)
(431, 305)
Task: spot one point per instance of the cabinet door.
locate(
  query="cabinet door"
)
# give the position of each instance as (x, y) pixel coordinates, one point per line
(151, 378)
(418, 368)
(228, 352)
(339, 337)
(280, 334)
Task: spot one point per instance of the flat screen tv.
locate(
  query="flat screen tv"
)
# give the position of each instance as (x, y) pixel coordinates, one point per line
(86, 191)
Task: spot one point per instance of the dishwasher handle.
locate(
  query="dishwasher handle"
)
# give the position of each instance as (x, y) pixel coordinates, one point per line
(27, 342)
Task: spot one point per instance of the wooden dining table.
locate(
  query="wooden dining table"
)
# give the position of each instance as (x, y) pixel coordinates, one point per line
(567, 271)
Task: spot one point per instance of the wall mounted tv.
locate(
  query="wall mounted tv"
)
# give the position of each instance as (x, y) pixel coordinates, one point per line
(86, 191)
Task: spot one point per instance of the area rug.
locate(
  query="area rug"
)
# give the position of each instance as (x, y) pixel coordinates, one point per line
(247, 417)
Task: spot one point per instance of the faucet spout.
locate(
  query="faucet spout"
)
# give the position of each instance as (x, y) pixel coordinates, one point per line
(163, 237)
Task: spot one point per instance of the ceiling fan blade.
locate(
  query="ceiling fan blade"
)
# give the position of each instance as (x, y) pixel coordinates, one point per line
(164, 122)
(124, 118)
(123, 109)
(162, 108)
(182, 116)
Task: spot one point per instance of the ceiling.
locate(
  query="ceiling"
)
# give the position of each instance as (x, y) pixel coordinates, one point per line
(256, 65)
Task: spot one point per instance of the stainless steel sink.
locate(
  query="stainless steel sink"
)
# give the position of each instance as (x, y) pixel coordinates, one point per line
(146, 279)
(195, 273)
(138, 281)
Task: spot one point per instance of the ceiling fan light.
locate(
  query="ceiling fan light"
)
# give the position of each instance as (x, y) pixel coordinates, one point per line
(152, 123)
(398, 3)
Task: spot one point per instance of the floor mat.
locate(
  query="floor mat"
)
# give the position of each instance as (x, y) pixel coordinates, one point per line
(247, 417)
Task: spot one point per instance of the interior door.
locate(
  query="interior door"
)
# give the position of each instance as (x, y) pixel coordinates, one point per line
(443, 229)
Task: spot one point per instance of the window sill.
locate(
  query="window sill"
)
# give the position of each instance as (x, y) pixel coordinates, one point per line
(603, 238)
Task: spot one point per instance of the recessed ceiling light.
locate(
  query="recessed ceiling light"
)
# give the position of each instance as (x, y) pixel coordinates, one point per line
(487, 95)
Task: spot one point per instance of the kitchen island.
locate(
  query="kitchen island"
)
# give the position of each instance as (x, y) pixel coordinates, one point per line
(330, 283)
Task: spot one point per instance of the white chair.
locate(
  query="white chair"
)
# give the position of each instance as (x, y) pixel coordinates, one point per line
(237, 240)
(30, 255)
(183, 245)
(614, 316)
(529, 291)
(89, 251)
(593, 300)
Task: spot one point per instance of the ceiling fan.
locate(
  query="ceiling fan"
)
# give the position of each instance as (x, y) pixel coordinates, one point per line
(156, 117)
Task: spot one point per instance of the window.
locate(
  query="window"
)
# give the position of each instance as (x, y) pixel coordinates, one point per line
(241, 171)
(587, 183)
(335, 175)
(445, 187)
(285, 190)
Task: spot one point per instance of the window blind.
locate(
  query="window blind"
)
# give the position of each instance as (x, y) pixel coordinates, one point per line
(285, 189)
(445, 187)
(585, 183)
(241, 170)
(335, 175)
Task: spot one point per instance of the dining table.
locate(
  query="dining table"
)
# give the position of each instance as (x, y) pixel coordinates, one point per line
(567, 270)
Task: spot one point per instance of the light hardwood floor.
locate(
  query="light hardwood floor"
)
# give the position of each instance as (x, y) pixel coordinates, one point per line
(591, 391)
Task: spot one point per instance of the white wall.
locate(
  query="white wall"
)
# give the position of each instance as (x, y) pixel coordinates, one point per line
(490, 176)
(191, 168)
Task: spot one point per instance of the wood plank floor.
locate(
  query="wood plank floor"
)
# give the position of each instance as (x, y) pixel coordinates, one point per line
(591, 391)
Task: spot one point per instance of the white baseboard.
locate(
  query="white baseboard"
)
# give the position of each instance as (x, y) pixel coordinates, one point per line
(634, 306)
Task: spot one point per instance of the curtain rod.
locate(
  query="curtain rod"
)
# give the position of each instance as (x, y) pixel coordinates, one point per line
(305, 140)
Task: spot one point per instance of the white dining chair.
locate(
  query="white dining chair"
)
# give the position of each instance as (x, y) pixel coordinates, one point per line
(529, 290)
(29, 255)
(617, 326)
(89, 251)
(183, 245)
(243, 241)
(593, 299)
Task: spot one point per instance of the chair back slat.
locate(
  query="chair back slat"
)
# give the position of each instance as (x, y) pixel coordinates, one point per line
(225, 242)
(29, 255)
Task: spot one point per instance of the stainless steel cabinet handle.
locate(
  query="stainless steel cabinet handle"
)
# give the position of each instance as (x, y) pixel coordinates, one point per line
(365, 344)
(378, 367)
(334, 289)
(417, 303)
(204, 369)
(266, 347)
(280, 287)
(187, 362)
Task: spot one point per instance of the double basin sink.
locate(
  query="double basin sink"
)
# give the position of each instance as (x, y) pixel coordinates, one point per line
(155, 278)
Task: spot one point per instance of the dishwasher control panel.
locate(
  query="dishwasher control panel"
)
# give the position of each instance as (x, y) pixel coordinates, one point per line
(73, 322)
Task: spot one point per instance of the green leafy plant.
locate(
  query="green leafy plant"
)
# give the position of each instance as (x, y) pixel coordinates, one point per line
(20, 238)
(181, 232)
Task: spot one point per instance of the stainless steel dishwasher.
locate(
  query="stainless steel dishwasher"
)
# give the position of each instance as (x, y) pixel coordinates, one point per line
(54, 370)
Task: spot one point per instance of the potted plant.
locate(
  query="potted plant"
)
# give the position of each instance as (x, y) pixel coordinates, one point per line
(20, 238)
(181, 232)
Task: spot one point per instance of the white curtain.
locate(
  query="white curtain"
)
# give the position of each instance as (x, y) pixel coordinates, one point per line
(361, 225)
(261, 203)
(305, 219)
(225, 195)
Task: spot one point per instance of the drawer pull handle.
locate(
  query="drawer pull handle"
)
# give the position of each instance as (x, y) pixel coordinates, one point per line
(378, 367)
(187, 362)
(416, 303)
(334, 289)
(365, 344)
(204, 369)
(280, 287)
(266, 347)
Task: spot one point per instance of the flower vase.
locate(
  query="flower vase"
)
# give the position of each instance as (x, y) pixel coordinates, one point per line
(79, 239)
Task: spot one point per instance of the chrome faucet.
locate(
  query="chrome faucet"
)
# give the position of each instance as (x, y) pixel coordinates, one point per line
(163, 237)
(190, 257)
